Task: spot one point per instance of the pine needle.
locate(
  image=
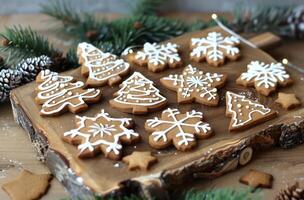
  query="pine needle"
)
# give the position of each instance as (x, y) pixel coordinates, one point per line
(24, 42)
(147, 7)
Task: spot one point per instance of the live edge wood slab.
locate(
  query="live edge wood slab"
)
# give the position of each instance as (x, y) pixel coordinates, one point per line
(213, 157)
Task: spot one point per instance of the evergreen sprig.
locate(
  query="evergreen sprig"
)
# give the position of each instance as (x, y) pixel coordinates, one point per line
(264, 18)
(215, 194)
(73, 22)
(20, 43)
(223, 193)
(147, 7)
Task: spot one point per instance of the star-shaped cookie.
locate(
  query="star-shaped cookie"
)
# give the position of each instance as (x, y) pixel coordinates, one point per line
(27, 186)
(287, 101)
(139, 160)
(257, 179)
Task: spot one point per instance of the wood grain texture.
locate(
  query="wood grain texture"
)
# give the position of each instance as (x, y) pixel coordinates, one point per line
(287, 50)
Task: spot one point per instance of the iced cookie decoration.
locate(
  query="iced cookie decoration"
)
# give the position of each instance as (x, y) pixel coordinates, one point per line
(101, 133)
(214, 48)
(244, 112)
(179, 129)
(100, 68)
(157, 57)
(264, 77)
(138, 96)
(59, 94)
(194, 85)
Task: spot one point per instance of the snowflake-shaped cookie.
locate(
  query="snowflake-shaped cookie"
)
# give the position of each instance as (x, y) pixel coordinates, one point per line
(158, 56)
(214, 48)
(179, 129)
(194, 85)
(101, 134)
(264, 77)
(100, 68)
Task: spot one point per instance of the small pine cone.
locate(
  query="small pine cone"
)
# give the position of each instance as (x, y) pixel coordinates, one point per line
(137, 25)
(30, 67)
(9, 79)
(291, 193)
(296, 22)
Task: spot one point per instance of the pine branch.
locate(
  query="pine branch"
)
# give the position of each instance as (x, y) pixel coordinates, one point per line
(224, 193)
(263, 18)
(20, 43)
(147, 7)
(80, 25)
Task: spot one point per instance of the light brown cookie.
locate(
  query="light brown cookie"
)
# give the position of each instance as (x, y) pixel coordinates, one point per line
(139, 160)
(287, 101)
(257, 179)
(138, 96)
(264, 77)
(100, 68)
(214, 48)
(194, 85)
(179, 129)
(59, 94)
(158, 57)
(244, 112)
(101, 133)
(28, 186)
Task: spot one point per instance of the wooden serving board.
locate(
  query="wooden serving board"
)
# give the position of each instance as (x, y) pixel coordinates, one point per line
(211, 158)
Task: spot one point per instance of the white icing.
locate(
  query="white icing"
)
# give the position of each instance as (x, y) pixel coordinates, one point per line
(138, 90)
(265, 75)
(177, 125)
(102, 66)
(55, 99)
(109, 133)
(214, 46)
(159, 54)
(238, 118)
(194, 81)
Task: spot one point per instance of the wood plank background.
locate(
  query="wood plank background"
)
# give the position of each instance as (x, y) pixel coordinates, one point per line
(16, 151)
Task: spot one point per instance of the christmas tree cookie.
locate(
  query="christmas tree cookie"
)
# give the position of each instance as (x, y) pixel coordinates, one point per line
(214, 48)
(264, 77)
(194, 85)
(100, 68)
(157, 57)
(59, 94)
(138, 96)
(179, 129)
(244, 112)
(101, 133)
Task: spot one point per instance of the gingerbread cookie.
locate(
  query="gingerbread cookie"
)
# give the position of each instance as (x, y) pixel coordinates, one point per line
(214, 48)
(194, 85)
(138, 96)
(100, 68)
(179, 129)
(58, 94)
(264, 77)
(257, 179)
(101, 133)
(139, 160)
(28, 186)
(157, 57)
(287, 101)
(244, 112)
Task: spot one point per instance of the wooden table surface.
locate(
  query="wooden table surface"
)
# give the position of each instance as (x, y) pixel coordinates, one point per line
(16, 151)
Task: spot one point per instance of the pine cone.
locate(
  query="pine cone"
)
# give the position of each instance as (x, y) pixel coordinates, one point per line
(9, 79)
(291, 193)
(296, 21)
(30, 67)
